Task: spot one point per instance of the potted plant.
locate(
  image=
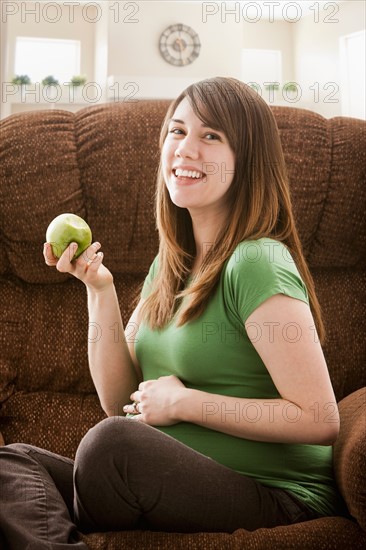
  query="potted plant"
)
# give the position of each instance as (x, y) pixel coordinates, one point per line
(78, 80)
(290, 90)
(75, 87)
(255, 87)
(272, 88)
(21, 80)
(52, 90)
(50, 81)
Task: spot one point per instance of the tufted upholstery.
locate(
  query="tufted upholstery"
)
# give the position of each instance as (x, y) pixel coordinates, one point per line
(101, 163)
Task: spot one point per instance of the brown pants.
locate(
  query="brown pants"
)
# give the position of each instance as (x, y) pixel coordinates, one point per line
(128, 475)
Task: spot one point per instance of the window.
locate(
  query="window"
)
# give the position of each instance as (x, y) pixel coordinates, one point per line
(353, 62)
(41, 57)
(261, 66)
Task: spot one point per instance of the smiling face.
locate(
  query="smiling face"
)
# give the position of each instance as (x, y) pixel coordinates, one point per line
(197, 162)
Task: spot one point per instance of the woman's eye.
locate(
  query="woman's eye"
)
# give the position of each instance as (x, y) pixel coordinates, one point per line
(176, 131)
(212, 136)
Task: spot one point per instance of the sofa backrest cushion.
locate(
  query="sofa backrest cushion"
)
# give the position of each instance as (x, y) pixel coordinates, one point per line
(101, 163)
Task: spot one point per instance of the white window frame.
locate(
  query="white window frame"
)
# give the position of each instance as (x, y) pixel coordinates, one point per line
(349, 109)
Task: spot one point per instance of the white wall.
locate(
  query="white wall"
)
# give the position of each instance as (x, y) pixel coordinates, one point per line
(120, 41)
(317, 59)
(124, 45)
(310, 50)
(276, 35)
(134, 48)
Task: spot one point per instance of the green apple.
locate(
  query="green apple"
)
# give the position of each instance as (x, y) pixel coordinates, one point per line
(66, 229)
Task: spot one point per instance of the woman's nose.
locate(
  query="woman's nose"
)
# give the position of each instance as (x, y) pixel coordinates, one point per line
(187, 147)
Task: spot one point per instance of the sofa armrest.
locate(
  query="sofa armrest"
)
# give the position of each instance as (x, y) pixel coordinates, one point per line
(349, 454)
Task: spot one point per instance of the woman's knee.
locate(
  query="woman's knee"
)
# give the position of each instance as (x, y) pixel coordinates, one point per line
(110, 446)
(99, 470)
(101, 441)
(103, 464)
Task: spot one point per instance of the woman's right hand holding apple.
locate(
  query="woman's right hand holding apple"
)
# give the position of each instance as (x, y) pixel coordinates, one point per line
(88, 267)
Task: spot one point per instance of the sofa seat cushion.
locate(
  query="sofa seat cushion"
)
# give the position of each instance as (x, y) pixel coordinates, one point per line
(53, 421)
(322, 534)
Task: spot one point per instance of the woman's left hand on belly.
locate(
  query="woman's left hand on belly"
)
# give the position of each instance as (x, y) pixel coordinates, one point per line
(156, 401)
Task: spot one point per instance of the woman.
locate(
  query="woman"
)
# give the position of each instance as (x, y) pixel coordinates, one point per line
(233, 414)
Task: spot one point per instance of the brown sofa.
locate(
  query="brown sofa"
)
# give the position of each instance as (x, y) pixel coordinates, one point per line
(100, 163)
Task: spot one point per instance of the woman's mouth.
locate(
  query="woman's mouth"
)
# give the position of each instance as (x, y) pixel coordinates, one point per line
(187, 177)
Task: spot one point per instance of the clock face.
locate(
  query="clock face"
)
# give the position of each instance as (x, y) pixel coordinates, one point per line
(179, 45)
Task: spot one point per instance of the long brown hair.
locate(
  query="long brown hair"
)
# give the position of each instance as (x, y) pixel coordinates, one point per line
(258, 200)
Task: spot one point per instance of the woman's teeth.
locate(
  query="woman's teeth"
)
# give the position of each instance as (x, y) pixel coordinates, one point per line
(188, 173)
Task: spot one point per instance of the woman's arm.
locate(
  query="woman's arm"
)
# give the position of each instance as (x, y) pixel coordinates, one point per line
(115, 374)
(112, 360)
(283, 333)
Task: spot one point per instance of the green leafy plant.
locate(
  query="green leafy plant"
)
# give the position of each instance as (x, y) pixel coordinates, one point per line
(50, 81)
(21, 79)
(78, 80)
(290, 87)
(273, 86)
(255, 87)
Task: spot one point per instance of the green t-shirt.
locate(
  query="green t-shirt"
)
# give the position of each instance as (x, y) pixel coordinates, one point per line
(214, 354)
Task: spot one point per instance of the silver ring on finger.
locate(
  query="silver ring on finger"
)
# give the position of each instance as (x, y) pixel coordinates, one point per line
(88, 263)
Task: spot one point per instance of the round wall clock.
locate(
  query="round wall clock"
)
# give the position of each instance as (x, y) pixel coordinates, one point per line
(179, 45)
